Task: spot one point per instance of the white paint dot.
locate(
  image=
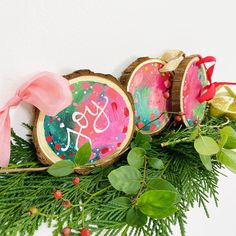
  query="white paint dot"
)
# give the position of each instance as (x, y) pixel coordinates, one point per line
(62, 125)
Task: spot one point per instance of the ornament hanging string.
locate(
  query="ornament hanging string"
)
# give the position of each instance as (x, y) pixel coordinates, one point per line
(209, 91)
(49, 92)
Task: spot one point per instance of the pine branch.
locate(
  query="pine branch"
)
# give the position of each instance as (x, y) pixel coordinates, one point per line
(21, 191)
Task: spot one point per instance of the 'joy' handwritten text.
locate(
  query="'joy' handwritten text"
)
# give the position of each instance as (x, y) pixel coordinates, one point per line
(78, 117)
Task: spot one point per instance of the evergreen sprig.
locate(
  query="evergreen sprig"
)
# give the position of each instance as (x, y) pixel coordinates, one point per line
(94, 202)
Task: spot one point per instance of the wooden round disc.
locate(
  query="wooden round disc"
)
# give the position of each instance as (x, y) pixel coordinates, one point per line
(101, 113)
(150, 90)
(187, 85)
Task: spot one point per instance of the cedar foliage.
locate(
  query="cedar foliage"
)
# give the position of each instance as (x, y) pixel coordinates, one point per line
(94, 200)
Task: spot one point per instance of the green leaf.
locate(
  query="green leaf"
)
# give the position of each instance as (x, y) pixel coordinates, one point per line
(228, 137)
(207, 146)
(227, 158)
(83, 155)
(136, 218)
(161, 184)
(194, 134)
(156, 163)
(157, 203)
(122, 202)
(223, 140)
(61, 168)
(126, 179)
(136, 157)
(142, 141)
(206, 161)
(145, 145)
(140, 138)
(232, 170)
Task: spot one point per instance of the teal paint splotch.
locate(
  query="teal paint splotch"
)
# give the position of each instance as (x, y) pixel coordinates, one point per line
(143, 109)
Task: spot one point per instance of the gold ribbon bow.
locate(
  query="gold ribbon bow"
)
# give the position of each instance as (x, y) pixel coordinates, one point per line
(172, 59)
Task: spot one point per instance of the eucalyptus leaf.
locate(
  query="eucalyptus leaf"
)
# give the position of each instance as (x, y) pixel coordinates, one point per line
(83, 155)
(142, 141)
(136, 218)
(145, 145)
(228, 134)
(140, 138)
(156, 163)
(136, 157)
(194, 134)
(61, 168)
(161, 184)
(206, 161)
(232, 170)
(126, 179)
(223, 140)
(207, 146)
(122, 202)
(157, 203)
(227, 158)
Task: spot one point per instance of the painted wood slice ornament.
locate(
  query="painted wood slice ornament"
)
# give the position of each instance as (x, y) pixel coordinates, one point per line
(101, 113)
(187, 85)
(151, 92)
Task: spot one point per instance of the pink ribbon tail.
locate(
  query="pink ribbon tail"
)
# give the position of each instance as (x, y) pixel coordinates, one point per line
(5, 138)
(49, 92)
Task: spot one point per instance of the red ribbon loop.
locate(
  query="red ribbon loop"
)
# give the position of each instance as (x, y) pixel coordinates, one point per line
(209, 91)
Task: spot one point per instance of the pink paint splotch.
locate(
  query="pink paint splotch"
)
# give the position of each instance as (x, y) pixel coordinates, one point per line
(147, 87)
(108, 130)
(191, 91)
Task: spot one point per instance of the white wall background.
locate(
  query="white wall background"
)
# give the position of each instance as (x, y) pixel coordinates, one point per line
(105, 36)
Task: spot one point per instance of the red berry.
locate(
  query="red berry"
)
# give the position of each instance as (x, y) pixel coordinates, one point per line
(178, 118)
(66, 204)
(57, 194)
(66, 231)
(85, 232)
(195, 122)
(76, 180)
(33, 211)
(166, 94)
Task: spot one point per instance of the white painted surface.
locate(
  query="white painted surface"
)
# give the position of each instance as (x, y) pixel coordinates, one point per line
(105, 36)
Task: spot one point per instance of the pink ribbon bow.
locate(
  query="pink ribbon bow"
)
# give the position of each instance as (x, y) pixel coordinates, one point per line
(49, 92)
(209, 91)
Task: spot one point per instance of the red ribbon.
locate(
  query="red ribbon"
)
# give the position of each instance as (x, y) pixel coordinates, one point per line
(210, 89)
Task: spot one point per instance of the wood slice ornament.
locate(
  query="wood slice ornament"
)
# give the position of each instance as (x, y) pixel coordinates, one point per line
(187, 86)
(151, 92)
(101, 113)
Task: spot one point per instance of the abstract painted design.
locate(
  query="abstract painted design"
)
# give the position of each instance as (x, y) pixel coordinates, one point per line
(150, 90)
(195, 80)
(98, 114)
